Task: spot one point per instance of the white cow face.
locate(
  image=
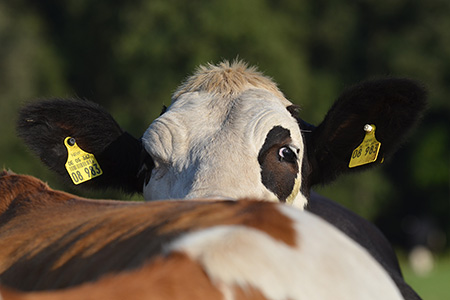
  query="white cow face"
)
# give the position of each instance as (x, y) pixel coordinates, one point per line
(227, 134)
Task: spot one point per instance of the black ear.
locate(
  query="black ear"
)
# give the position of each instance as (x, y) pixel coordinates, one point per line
(393, 105)
(45, 125)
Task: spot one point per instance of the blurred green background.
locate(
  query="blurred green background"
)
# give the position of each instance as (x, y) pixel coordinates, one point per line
(129, 56)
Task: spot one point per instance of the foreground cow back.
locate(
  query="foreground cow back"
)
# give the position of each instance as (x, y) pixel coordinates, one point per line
(175, 249)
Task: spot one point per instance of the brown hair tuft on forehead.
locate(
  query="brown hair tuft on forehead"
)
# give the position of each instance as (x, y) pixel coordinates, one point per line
(227, 79)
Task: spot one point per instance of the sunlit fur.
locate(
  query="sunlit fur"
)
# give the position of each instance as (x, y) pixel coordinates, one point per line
(206, 144)
(244, 257)
(227, 80)
(74, 248)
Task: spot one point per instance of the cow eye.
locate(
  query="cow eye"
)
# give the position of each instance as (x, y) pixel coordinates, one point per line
(287, 154)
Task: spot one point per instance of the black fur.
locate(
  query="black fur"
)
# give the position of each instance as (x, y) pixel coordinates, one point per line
(393, 105)
(44, 125)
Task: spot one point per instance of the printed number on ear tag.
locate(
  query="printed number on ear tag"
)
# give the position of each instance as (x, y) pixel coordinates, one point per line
(80, 165)
(367, 151)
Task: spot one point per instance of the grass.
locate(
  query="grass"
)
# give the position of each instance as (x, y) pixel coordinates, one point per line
(433, 286)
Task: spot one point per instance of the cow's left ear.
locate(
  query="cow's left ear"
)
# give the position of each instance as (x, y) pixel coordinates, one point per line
(394, 106)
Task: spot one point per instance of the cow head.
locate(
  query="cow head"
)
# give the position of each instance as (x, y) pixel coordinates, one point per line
(229, 132)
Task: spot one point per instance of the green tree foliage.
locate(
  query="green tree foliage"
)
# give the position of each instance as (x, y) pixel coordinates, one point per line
(131, 55)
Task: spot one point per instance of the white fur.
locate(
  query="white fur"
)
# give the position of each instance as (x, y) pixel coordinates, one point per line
(324, 265)
(207, 145)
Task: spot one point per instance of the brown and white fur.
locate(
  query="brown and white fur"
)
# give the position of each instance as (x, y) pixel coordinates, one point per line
(199, 249)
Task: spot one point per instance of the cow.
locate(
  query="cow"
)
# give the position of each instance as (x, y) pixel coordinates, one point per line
(61, 246)
(231, 133)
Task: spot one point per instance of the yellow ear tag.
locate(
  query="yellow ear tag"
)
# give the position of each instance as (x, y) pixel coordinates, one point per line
(80, 165)
(367, 151)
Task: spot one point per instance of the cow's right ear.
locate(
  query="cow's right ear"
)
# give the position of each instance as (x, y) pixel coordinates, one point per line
(393, 105)
(53, 128)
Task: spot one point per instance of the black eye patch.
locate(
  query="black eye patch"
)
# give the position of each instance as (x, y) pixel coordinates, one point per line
(279, 167)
